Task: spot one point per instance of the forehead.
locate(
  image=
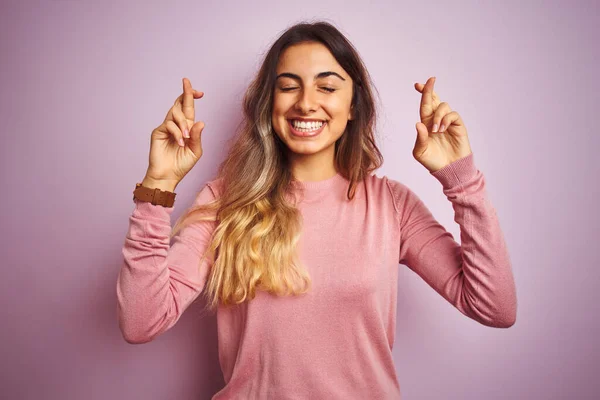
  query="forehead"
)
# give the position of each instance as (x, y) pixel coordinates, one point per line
(307, 59)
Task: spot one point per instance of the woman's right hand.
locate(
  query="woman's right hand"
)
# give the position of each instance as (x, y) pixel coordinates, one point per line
(172, 153)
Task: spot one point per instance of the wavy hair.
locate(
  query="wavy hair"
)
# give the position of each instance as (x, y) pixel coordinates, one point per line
(257, 227)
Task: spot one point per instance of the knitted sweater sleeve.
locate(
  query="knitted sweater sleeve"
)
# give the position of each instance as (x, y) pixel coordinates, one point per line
(474, 276)
(158, 281)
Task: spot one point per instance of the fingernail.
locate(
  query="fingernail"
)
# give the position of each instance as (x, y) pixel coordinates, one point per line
(442, 128)
(181, 142)
(435, 126)
(186, 134)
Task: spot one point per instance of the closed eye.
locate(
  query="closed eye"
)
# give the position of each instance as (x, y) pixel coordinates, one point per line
(330, 90)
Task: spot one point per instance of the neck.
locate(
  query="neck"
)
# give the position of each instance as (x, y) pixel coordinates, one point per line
(313, 167)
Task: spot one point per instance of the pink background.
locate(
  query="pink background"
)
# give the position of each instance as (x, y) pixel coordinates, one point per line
(83, 85)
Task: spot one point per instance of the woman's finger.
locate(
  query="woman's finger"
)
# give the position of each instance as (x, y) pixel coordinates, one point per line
(188, 100)
(197, 95)
(440, 112)
(427, 97)
(181, 120)
(436, 100)
(450, 118)
(175, 132)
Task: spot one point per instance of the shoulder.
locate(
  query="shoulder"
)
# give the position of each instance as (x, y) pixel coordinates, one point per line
(397, 192)
(211, 190)
(216, 185)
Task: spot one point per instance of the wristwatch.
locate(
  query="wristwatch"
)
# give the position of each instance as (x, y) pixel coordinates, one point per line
(155, 196)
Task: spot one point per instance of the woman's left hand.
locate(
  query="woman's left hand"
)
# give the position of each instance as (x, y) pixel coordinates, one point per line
(436, 148)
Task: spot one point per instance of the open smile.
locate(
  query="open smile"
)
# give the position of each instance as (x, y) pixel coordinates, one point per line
(305, 133)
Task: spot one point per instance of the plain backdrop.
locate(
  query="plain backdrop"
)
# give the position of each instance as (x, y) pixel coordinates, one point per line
(84, 83)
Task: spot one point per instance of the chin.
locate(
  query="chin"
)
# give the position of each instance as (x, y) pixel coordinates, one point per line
(307, 147)
(306, 150)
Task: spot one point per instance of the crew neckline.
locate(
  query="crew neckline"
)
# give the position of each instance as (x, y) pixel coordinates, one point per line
(318, 191)
(319, 185)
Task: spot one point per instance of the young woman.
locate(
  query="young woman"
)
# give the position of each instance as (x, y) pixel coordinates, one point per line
(296, 243)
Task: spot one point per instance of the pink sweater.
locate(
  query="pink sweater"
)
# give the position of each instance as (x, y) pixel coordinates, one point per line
(336, 341)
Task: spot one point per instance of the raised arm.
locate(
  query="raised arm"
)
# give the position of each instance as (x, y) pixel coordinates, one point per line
(158, 281)
(474, 276)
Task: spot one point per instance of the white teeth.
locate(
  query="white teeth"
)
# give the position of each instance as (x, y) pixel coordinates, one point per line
(307, 125)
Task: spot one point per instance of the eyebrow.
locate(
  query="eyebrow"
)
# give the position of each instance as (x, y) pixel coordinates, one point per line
(318, 76)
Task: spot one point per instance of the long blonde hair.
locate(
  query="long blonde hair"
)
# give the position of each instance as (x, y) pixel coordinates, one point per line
(254, 243)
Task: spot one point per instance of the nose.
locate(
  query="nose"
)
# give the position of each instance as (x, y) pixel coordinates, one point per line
(306, 103)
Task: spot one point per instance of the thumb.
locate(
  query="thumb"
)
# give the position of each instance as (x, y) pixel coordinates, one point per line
(195, 140)
(422, 136)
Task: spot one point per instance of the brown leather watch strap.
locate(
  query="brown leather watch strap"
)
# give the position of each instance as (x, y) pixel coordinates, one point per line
(154, 196)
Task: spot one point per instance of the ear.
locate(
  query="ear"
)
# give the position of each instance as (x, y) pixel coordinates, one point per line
(351, 113)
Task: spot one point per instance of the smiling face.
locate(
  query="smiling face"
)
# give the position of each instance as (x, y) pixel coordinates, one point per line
(311, 104)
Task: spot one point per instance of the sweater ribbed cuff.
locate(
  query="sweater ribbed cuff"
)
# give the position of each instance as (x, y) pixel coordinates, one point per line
(457, 172)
